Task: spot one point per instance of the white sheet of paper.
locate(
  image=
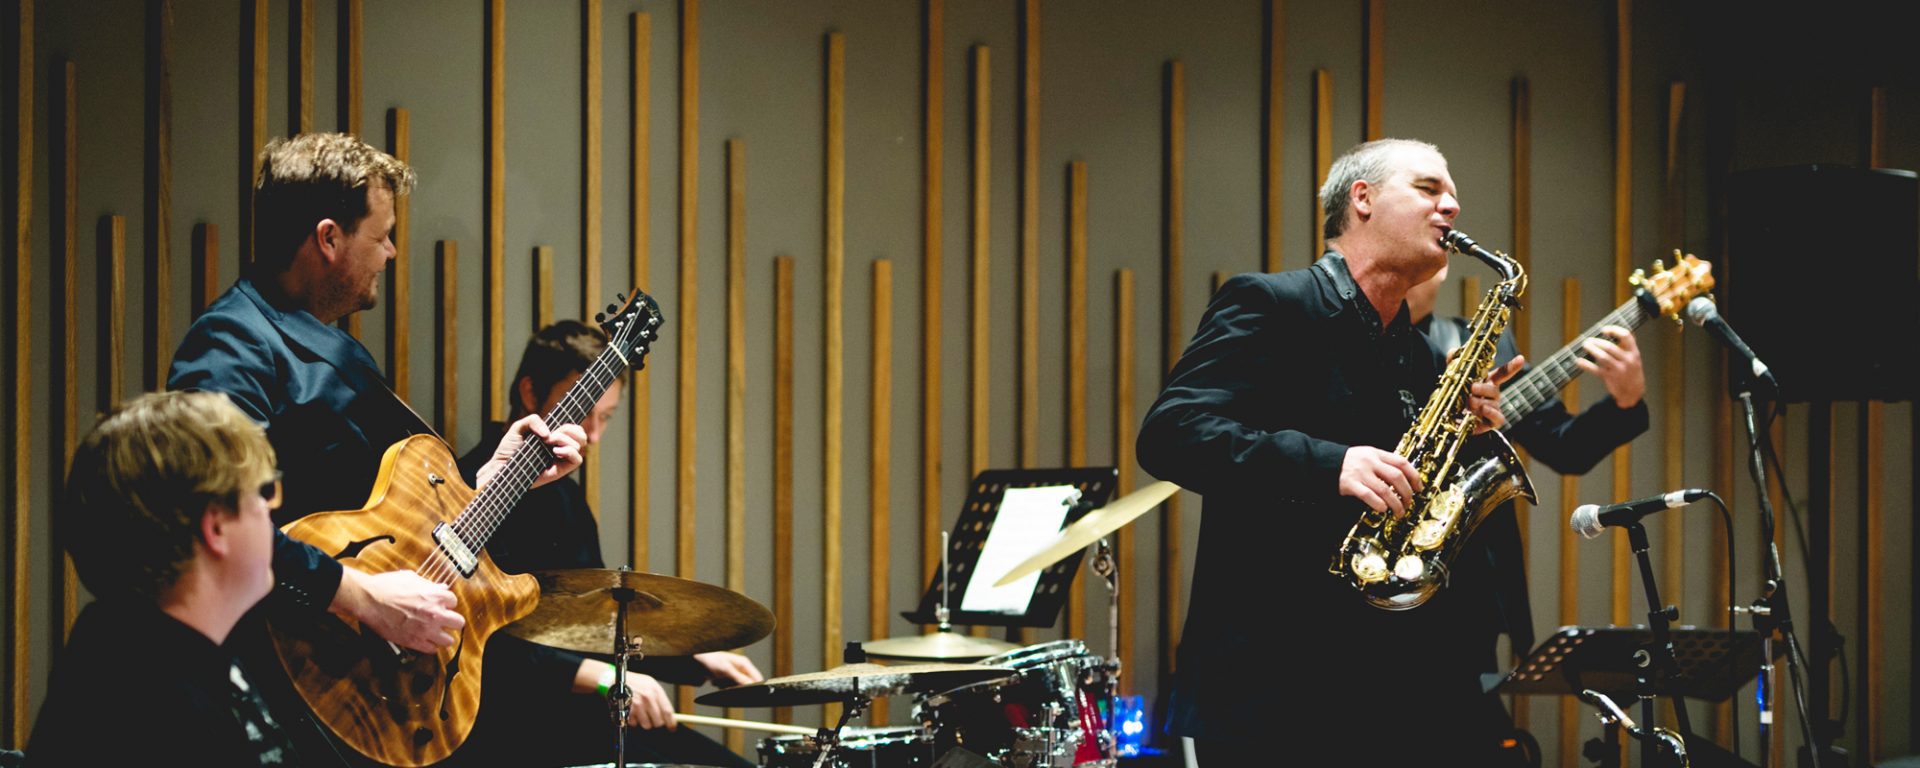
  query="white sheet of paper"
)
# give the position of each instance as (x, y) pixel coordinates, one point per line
(1030, 520)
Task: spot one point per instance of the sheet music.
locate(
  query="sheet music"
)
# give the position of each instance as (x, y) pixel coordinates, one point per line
(1029, 520)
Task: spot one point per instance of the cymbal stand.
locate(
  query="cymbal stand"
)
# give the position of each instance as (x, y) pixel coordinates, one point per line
(941, 612)
(857, 703)
(1108, 569)
(619, 696)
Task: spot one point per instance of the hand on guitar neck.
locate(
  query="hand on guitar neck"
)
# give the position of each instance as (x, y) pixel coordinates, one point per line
(566, 442)
(1615, 358)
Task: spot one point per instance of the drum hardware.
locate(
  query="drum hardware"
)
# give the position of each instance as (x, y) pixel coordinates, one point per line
(944, 644)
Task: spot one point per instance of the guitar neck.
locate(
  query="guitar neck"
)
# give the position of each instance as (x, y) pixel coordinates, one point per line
(1544, 379)
(491, 505)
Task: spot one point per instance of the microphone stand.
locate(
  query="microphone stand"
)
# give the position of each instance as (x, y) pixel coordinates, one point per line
(1770, 611)
(1658, 668)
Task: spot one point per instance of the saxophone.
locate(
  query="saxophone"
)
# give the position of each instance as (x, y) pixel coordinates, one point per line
(1399, 563)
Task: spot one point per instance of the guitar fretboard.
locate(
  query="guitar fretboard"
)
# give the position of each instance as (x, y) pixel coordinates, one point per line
(1544, 380)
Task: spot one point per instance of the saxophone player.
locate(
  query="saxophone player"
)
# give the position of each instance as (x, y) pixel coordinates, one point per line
(1281, 414)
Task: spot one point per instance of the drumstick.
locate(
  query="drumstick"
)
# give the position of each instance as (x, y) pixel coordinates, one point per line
(749, 725)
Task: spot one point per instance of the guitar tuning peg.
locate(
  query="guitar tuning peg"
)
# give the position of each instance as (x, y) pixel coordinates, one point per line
(599, 318)
(1639, 276)
(613, 308)
(620, 297)
(1659, 267)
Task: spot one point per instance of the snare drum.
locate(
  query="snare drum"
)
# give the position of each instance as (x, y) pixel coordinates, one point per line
(1052, 713)
(858, 748)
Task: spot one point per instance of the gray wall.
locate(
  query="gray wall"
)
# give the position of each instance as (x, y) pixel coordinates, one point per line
(1447, 79)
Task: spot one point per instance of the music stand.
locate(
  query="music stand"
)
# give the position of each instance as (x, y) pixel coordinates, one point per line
(1713, 666)
(974, 528)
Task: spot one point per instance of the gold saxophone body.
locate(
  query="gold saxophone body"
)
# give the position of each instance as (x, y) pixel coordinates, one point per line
(1399, 563)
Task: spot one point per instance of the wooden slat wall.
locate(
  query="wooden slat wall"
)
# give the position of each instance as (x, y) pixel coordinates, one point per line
(1124, 425)
(1077, 359)
(736, 384)
(835, 350)
(933, 95)
(590, 197)
(640, 418)
(158, 192)
(977, 238)
(349, 91)
(1622, 265)
(1322, 153)
(783, 472)
(1173, 340)
(1029, 421)
(1872, 548)
(113, 247)
(494, 352)
(1376, 21)
(400, 274)
(300, 64)
(1571, 708)
(253, 114)
(1271, 149)
(66, 180)
(19, 537)
(447, 259)
(1673, 206)
(687, 380)
(880, 454)
(206, 265)
(542, 295)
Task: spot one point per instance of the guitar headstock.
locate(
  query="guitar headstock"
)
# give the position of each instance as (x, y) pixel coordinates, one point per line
(632, 326)
(1672, 287)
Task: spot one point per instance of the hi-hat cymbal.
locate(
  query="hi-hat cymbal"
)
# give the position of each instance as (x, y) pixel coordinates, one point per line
(1093, 527)
(937, 646)
(671, 616)
(848, 680)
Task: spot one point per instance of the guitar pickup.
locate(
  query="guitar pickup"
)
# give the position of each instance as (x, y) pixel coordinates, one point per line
(456, 550)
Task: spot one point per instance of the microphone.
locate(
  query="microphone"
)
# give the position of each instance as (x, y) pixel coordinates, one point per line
(1703, 313)
(1591, 520)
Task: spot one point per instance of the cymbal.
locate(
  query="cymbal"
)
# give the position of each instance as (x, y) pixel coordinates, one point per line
(1093, 527)
(937, 646)
(671, 616)
(847, 680)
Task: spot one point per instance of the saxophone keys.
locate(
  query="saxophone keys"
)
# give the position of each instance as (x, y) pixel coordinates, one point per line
(1410, 567)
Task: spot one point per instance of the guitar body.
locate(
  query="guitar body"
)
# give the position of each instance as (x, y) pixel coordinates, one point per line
(403, 709)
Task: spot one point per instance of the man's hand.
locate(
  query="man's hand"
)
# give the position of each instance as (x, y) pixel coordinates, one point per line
(565, 442)
(400, 606)
(1483, 396)
(649, 706)
(728, 669)
(1382, 480)
(1616, 360)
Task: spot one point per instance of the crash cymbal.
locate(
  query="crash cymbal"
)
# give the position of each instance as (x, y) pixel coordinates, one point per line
(1093, 527)
(671, 616)
(937, 646)
(848, 680)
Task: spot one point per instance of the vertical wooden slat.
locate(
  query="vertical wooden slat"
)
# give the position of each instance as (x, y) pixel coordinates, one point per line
(1376, 20)
(253, 108)
(159, 192)
(206, 265)
(1622, 265)
(20, 537)
(400, 275)
(686, 381)
(1271, 149)
(542, 287)
(1570, 707)
(590, 201)
(1219, 279)
(1173, 335)
(349, 85)
(1077, 358)
(879, 480)
(1030, 235)
(736, 384)
(1322, 151)
(1873, 526)
(1522, 217)
(493, 386)
(931, 297)
(114, 247)
(447, 259)
(783, 472)
(1673, 364)
(835, 297)
(1123, 431)
(300, 64)
(640, 475)
(978, 240)
(66, 175)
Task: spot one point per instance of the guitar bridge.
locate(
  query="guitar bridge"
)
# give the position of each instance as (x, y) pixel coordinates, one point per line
(455, 549)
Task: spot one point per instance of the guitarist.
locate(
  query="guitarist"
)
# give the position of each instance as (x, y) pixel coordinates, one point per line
(323, 220)
(1489, 570)
(544, 706)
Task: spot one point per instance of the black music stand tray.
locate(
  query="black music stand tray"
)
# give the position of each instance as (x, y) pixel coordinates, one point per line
(1096, 486)
(1714, 664)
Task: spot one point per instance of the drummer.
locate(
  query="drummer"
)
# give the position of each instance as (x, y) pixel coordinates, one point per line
(545, 706)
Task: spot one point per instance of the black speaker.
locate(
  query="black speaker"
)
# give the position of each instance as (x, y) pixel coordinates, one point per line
(1823, 266)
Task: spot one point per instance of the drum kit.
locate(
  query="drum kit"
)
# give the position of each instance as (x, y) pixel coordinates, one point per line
(1040, 706)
